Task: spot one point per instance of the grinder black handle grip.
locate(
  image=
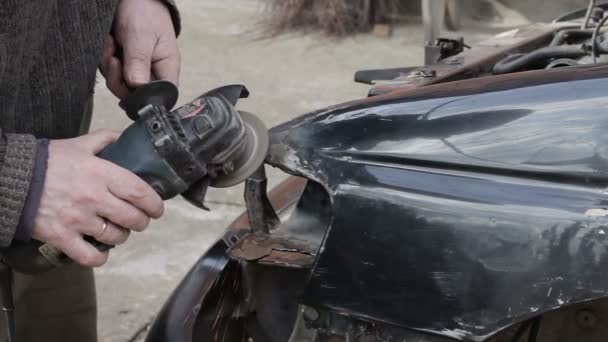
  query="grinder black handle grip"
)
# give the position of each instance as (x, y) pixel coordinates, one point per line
(102, 247)
(130, 153)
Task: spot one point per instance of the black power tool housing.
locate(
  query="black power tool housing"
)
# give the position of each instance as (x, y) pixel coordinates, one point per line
(206, 142)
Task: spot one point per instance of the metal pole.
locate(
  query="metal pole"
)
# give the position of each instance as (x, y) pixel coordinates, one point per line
(588, 14)
(433, 16)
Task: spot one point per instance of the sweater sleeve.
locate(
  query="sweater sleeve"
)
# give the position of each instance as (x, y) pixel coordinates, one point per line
(17, 158)
(177, 22)
(25, 228)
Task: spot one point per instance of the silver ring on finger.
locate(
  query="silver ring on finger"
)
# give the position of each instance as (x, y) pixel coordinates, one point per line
(103, 229)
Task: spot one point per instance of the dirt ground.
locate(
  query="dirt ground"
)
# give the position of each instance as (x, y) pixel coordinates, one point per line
(287, 76)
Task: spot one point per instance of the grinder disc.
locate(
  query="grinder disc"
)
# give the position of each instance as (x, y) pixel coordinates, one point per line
(256, 149)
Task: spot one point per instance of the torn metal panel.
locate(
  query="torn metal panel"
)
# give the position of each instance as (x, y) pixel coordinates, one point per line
(269, 250)
(284, 247)
(262, 216)
(282, 197)
(295, 242)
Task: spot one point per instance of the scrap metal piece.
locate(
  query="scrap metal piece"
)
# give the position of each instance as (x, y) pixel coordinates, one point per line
(370, 76)
(478, 60)
(272, 250)
(262, 216)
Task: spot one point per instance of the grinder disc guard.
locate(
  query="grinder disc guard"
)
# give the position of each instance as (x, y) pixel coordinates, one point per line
(251, 158)
(159, 93)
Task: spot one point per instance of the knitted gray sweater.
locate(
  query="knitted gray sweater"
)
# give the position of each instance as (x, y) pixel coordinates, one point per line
(49, 52)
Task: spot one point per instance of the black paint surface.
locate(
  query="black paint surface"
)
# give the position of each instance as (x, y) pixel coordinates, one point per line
(460, 215)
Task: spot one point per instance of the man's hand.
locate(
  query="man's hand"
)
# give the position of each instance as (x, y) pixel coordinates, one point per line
(82, 192)
(143, 45)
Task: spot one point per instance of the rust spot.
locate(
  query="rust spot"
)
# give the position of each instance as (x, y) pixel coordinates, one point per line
(289, 259)
(268, 249)
(272, 250)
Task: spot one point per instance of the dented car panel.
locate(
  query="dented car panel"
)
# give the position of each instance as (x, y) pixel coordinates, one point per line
(481, 205)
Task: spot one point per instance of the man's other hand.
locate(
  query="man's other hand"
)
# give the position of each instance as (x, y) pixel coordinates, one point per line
(86, 195)
(143, 46)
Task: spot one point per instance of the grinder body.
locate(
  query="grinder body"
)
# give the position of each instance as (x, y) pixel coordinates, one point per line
(206, 142)
(135, 152)
(206, 138)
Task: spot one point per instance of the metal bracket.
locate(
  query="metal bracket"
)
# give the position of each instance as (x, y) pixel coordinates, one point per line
(443, 48)
(262, 216)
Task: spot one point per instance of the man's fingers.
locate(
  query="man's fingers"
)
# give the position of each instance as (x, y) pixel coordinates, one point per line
(82, 252)
(167, 67)
(132, 189)
(115, 80)
(138, 60)
(122, 213)
(108, 51)
(109, 47)
(96, 141)
(111, 234)
(112, 70)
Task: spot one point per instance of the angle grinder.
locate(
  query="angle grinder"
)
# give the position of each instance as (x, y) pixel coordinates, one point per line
(206, 142)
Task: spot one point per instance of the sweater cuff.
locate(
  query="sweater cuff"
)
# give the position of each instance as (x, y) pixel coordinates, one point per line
(175, 16)
(25, 227)
(15, 177)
